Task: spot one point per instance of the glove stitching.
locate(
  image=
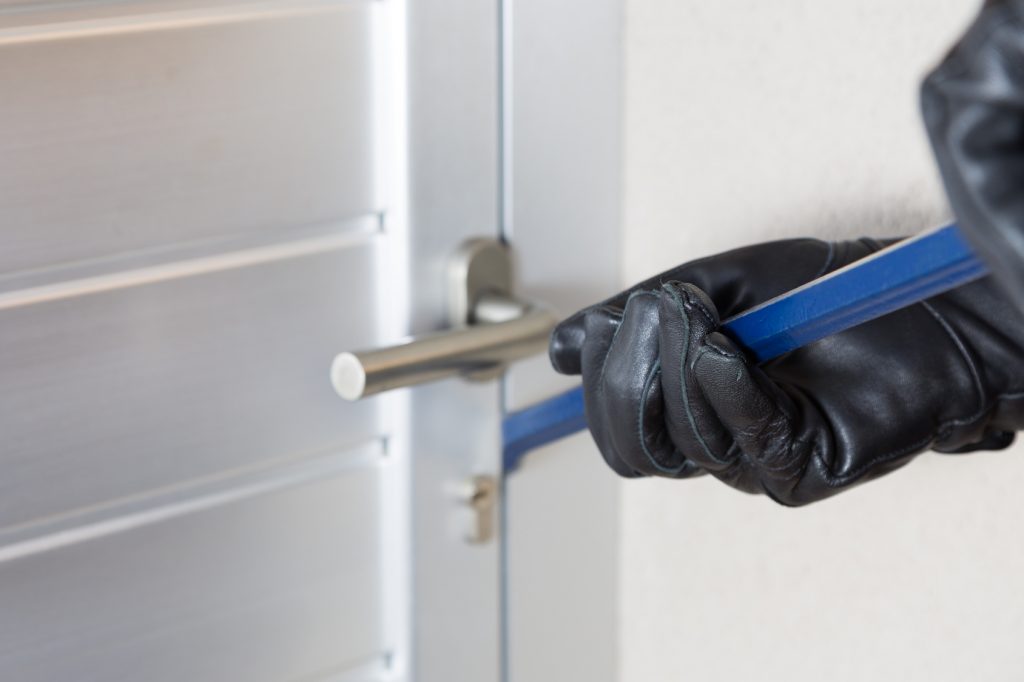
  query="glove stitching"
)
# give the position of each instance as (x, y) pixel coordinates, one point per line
(615, 337)
(816, 457)
(796, 457)
(640, 426)
(674, 293)
(833, 481)
(943, 430)
(816, 454)
(982, 411)
(737, 457)
(741, 459)
(741, 463)
(734, 463)
(721, 352)
(778, 422)
(971, 367)
(797, 475)
(600, 388)
(702, 309)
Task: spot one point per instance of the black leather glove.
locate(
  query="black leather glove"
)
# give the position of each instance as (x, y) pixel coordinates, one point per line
(973, 106)
(668, 395)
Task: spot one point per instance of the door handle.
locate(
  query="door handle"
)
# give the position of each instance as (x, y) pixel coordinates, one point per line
(490, 328)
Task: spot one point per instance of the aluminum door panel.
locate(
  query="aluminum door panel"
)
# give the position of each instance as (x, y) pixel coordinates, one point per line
(278, 585)
(454, 193)
(148, 130)
(120, 392)
(189, 347)
(22, 13)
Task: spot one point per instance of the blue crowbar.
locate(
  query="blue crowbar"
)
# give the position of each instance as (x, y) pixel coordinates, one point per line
(895, 277)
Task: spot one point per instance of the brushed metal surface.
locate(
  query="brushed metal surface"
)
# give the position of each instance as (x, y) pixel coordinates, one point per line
(566, 144)
(142, 359)
(23, 13)
(281, 585)
(454, 194)
(469, 351)
(123, 135)
(116, 393)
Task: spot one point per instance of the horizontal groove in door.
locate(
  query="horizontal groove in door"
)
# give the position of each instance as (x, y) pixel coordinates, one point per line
(53, 15)
(180, 260)
(135, 389)
(376, 669)
(119, 141)
(157, 506)
(279, 586)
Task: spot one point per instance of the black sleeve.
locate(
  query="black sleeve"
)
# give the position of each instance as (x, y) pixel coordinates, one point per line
(973, 107)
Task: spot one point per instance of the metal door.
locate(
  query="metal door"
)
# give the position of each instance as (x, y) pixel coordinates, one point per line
(203, 201)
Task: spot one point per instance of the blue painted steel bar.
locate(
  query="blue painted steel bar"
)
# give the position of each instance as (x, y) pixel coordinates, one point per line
(901, 275)
(541, 424)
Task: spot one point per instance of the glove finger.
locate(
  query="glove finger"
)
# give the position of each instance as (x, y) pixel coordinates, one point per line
(737, 279)
(754, 411)
(687, 316)
(565, 345)
(629, 394)
(599, 328)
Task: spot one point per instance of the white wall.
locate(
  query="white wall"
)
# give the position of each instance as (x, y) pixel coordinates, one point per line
(747, 121)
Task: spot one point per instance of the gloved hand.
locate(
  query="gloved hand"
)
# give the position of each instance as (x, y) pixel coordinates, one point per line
(668, 395)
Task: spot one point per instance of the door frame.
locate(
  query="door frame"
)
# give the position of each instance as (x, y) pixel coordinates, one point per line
(529, 130)
(562, 139)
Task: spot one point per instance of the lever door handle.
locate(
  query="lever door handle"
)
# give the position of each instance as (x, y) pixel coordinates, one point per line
(490, 329)
(475, 350)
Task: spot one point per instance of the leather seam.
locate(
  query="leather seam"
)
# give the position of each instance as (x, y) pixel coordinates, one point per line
(615, 337)
(682, 379)
(835, 481)
(971, 367)
(757, 464)
(640, 425)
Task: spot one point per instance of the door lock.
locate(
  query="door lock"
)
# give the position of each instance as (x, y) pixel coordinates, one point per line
(481, 496)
